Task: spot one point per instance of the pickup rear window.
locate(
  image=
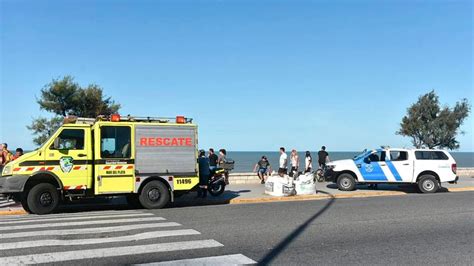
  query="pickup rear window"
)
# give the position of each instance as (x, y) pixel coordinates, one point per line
(430, 155)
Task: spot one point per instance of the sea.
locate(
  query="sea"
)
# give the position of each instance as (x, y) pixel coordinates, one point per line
(245, 160)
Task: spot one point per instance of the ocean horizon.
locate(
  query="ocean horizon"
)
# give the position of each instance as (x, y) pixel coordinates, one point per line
(245, 160)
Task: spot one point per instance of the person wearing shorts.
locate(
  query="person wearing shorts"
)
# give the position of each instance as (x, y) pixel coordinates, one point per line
(263, 167)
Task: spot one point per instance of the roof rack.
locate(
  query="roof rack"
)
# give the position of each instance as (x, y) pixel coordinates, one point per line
(128, 118)
(177, 119)
(79, 120)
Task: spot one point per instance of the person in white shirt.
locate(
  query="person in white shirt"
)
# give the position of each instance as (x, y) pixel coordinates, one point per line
(308, 162)
(283, 170)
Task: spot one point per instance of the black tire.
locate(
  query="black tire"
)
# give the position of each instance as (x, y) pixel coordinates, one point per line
(43, 198)
(133, 201)
(24, 204)
(428, 184)
(216, 189)
(154, 195)
(346, 182)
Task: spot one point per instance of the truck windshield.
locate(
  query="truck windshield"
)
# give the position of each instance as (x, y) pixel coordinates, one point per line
(362, 155)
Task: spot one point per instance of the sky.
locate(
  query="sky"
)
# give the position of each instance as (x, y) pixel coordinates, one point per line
(254, 75)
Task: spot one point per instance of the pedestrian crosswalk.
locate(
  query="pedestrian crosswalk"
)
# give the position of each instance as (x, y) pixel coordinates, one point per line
(114, 237)
(6, 203)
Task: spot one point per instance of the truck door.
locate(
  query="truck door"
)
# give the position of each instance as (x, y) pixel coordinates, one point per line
(401, 166)
(69, 157)
(114, 160)
(371, 167)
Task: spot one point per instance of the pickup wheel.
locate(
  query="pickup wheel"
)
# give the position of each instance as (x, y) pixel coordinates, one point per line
(346, 182)
(154, 195)
(428, 184)
(43, 198)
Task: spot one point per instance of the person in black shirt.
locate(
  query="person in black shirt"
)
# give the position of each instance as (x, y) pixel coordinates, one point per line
(212, 160)
(264, 168)
(323, 157)
(204, 174)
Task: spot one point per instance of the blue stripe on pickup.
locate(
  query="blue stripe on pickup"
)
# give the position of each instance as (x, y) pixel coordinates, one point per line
(394, 170)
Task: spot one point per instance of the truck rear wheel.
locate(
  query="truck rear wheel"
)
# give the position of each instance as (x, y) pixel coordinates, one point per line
(428, 184)
(43, 198)
(346, 182)
(154, 195)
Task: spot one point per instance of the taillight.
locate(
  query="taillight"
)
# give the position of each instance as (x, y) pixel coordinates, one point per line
(454, 168)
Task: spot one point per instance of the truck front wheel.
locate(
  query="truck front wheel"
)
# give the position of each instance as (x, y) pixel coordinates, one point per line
(428, 184)
(154, 195)
(43, 198)
(24, 204)
(346, 182)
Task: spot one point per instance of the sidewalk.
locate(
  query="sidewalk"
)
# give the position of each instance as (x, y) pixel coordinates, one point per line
(255, 193)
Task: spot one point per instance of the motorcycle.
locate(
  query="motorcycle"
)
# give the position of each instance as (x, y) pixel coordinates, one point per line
(220, 178)
(319, 175)
(218, 182)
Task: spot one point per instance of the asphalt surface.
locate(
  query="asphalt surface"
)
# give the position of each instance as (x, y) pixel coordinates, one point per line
(411, 229)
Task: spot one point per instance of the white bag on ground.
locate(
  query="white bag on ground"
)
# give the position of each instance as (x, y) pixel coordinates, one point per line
(279, 186)
(305, 185)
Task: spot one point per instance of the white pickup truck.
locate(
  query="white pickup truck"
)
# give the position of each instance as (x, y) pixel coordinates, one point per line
(427, 168)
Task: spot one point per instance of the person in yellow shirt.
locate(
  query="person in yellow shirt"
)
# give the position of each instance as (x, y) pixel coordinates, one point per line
(6, 154)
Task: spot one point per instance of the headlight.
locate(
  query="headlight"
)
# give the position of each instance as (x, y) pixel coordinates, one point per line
(7, 170)
(331, 166)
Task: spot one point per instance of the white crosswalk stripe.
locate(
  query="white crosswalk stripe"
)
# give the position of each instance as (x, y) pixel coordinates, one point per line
(84, 231)
(109, 252)
(75, 218)
(22, 217)
(90, 241)
(121, 235)
(234, 259)
(114, 221)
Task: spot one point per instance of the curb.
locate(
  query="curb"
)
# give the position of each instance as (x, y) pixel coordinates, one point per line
(13, 212)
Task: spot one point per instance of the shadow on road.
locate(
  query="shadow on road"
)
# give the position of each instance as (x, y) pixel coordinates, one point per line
(269, 257)
(120, 203)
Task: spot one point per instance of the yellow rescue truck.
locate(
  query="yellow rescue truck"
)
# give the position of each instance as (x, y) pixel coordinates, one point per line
(149, 159)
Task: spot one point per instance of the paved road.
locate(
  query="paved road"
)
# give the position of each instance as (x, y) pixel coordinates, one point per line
(412, 229)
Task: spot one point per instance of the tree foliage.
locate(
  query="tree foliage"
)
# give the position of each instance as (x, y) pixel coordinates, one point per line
(43, 128)
(432, 126)
(63, 97)
(91, 102)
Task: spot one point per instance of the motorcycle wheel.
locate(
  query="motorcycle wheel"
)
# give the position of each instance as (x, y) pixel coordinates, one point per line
(319, 175)
(216, 189)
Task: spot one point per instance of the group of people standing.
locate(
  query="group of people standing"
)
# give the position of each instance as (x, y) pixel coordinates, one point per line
(207, 168)
(6, 156)
(263, 167)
